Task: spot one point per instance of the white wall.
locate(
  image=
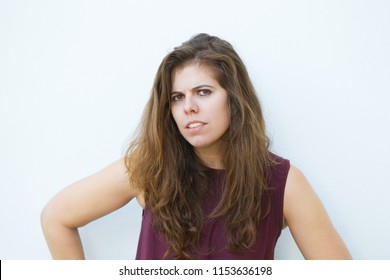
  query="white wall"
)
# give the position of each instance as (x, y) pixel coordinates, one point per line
(75, 75)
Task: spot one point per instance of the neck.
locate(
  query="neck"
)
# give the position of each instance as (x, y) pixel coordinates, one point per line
(211, 159)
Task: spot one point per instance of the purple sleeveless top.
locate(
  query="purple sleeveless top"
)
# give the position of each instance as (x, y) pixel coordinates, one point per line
(213, 243)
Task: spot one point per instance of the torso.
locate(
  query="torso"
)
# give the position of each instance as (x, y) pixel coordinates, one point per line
(213, 243)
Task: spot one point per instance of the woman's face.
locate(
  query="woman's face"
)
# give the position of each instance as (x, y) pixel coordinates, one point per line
(199, 107)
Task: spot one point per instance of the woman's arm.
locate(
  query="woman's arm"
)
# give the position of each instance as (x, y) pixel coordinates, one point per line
(308, 221)
(81, 203)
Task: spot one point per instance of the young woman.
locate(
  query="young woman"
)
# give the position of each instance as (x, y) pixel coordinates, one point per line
(202, 170)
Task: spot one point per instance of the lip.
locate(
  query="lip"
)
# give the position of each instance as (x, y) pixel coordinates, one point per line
(195, 121)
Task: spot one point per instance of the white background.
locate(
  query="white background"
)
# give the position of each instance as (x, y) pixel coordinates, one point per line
(75, 76)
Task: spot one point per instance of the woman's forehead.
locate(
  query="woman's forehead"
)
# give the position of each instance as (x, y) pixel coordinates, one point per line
(193, 75)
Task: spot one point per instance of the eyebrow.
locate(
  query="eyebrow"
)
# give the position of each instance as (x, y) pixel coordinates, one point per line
(194, 88)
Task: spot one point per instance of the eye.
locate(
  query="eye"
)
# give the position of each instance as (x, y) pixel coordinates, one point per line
(176, 97)
(204, 92)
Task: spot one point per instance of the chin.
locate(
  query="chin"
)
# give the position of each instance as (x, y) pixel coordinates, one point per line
(202, 146)
(202, 143)
(198, 145)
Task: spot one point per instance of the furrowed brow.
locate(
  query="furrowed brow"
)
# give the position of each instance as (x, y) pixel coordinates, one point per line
(203, 86)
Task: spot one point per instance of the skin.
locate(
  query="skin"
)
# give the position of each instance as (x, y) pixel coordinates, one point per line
(197, 96)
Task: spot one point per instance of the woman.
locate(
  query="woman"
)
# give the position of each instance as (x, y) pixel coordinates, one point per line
(201, 169)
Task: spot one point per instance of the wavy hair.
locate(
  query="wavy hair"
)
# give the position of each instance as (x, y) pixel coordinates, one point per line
(173, 180)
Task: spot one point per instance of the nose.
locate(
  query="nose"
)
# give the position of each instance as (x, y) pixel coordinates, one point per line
(190, 105)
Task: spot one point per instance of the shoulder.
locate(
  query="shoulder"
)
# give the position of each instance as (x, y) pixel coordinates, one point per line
(295, 178)
(297, 190)
(278, 172)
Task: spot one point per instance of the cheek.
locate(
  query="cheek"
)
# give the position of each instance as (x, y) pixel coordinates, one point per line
(225, 113)
(227, 119)
(175, 116)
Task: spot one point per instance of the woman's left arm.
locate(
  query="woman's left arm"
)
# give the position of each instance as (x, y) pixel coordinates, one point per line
(308, 221)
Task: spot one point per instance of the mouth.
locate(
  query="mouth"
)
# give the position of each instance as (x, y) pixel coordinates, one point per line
(194, 124)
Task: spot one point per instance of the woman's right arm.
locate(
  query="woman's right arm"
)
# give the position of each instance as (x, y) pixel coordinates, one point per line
(81, 203)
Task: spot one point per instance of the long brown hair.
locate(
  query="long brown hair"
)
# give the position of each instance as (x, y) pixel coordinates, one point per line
(164, 166)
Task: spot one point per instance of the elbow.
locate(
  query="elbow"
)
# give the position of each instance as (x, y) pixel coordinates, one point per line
(51, 219)
(48, 218)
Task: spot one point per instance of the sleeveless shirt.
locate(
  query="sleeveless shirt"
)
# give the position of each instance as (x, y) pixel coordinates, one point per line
(213, 242)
